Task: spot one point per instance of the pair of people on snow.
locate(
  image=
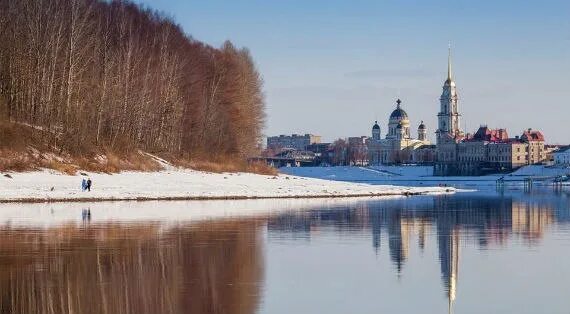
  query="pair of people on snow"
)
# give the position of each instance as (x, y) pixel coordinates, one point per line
(86, 185)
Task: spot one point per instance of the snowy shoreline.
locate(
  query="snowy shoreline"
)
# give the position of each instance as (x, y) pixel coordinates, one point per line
(184, 184)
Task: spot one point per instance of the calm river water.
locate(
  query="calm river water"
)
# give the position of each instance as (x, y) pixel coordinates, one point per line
(482, 252)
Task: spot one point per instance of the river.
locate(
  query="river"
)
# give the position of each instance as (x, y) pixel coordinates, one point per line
(479, 252)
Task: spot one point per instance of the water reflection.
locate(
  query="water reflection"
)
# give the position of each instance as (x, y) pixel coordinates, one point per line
(221, 265)
(485, 220)
(209, 268)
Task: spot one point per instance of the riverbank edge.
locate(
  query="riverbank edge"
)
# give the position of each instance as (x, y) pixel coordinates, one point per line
(218, 198)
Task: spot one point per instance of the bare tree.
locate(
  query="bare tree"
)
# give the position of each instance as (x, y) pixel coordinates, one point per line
(98, 75)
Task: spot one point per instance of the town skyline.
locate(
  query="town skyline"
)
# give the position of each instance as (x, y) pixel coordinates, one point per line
(357, 59)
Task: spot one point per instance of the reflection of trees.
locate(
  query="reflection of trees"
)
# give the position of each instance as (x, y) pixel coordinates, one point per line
(214, 268)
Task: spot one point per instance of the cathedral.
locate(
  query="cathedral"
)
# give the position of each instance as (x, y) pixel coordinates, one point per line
(398, 146)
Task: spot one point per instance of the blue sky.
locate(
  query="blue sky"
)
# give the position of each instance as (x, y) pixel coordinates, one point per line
(333, 67)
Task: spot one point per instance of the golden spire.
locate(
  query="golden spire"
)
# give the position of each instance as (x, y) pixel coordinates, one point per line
(449, 78)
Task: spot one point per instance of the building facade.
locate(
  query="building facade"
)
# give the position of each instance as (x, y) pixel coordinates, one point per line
(536, 151)
(489, 150)
(562, 157)
(294, 141)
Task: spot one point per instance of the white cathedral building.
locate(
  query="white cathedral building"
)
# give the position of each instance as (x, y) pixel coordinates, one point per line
(398, 146)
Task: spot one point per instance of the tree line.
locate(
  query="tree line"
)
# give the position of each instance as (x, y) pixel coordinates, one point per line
(93, 74)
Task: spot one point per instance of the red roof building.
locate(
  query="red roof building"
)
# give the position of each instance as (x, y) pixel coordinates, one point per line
(485, 134)
(531, 135)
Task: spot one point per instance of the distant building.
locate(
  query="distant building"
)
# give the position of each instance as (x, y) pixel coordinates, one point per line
(425, 155)
(318, 148)
(398, 146)
(562, 156)
(288, 158)
(550, 150)
(535, 141)
(294, 141)
(321, 151)
(491, 150)
(357, 151)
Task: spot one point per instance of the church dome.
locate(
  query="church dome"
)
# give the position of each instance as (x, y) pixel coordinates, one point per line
(399, 126)
(399, 113)
(376, 126)
(422, 126)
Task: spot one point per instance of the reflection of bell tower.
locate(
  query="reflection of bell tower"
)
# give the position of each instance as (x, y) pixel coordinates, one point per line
(376, 225)
(398, 241)
(449, 260)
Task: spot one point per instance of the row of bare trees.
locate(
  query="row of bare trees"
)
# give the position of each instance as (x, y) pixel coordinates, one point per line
(97, 74)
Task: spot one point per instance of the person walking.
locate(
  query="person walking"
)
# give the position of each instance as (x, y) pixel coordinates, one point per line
(89, 184)
(83, 185)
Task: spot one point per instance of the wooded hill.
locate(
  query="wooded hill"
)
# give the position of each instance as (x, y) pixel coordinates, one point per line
(89, 76)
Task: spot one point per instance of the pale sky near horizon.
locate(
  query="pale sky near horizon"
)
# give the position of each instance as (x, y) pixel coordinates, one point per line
(334, 67)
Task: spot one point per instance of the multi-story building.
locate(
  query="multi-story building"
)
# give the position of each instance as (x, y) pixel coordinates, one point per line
(562, 157)
(294, 141)
(506, 155)
(491, 150)
(536, 151)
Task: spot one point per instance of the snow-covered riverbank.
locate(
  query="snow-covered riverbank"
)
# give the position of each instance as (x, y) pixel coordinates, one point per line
(421, 175)
(185, 184)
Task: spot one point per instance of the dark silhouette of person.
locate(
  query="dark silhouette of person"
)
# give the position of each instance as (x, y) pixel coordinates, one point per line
(89, 184)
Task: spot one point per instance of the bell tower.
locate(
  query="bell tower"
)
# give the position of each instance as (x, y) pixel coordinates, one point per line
(449, 128)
